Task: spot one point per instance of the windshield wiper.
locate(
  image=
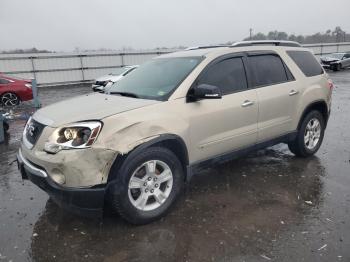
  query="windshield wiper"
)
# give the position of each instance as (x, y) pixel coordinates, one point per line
(124, 94)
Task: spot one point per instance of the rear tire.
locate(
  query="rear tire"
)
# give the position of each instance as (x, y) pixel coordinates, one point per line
(310, 135)
(138, 193)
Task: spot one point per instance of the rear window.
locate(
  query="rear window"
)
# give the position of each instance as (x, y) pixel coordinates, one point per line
(306, 62)
(4, 81)
(268, 70)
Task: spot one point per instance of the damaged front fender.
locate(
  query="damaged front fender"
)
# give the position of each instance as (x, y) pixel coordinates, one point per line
(129, 134)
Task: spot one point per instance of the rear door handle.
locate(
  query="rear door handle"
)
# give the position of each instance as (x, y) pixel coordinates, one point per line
(247, 103)
(293, 92)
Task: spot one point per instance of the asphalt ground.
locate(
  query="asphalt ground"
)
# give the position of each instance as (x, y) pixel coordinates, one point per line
(267, 206)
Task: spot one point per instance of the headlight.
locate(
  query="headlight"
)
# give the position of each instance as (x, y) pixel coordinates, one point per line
(75, 136)
(28, 85)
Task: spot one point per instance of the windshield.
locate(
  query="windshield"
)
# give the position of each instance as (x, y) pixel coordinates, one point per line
(337, 55)
(119, 71)
(156, 79)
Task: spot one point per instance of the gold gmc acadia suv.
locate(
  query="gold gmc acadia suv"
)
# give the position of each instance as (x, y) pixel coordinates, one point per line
(137, 145)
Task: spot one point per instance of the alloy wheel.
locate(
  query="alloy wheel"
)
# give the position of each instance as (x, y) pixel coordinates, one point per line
(9, 99)
(312, 133)
(150, 185)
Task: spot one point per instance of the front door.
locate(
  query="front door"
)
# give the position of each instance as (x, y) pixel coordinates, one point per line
(218, 126)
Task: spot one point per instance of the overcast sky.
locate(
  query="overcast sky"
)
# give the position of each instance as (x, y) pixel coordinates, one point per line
(92, 24)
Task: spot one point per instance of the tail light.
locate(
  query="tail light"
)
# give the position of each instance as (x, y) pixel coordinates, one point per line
(330, 84)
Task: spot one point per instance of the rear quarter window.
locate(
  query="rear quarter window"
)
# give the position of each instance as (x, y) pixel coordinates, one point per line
(306, 62)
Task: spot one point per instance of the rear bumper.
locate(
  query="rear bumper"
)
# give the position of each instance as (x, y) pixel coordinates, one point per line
(82, 201)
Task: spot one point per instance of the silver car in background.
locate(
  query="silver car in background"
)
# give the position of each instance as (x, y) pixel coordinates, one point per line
(336, 61)
(100, 83)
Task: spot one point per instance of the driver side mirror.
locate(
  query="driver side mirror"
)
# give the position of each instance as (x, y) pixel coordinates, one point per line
(204, 91)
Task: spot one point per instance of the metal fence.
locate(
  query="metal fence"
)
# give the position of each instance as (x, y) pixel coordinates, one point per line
(328, 48)
(65, 68)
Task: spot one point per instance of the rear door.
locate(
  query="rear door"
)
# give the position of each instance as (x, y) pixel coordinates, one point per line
(222, 125)
(277, 94)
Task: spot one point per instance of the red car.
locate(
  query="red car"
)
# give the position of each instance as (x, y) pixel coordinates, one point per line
(14, 90)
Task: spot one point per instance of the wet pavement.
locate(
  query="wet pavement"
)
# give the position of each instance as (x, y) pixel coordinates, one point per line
(268, 206)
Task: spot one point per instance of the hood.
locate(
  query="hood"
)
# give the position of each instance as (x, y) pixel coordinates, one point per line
(115, 78)
(329, 59)
(104, 78)
(93, 106)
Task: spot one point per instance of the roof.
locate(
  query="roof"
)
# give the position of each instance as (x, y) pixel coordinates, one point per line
(267, 43)
(193, 52)
(238, 47)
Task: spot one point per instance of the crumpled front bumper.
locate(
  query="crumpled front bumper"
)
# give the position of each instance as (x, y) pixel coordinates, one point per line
(329, 64)
(98, 88)
(326, 66)
(84, 201)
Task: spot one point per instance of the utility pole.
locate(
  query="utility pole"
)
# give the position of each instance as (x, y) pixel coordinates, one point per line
(2, 129)
(250, 33)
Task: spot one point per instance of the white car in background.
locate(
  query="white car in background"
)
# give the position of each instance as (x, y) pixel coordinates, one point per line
(100, 83)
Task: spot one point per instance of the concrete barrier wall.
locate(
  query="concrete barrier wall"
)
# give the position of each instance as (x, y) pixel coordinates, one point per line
(65, 68)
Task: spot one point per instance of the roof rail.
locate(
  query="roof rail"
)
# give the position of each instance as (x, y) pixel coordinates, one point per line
(267, 42)
(205, 46)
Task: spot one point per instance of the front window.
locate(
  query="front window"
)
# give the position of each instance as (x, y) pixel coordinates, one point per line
(156, 79)
(228, 75)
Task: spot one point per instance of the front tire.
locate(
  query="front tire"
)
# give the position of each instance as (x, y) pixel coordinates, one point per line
(147, 185)
(337, 67)
(310, 135)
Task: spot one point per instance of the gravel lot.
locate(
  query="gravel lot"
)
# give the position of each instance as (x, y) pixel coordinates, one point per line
(268, 206)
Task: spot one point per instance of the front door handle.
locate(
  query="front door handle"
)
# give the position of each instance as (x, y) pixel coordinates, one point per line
(293, 92)
(247, 103)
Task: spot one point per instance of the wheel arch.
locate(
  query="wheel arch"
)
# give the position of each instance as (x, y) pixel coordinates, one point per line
(319, 105)
(170, 141)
